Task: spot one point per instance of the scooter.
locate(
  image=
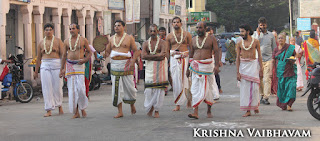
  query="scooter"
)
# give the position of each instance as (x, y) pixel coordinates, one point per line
(313, 101)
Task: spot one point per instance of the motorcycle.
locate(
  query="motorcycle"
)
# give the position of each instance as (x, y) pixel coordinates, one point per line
(313, 102)
(95, 80)
(22, 90)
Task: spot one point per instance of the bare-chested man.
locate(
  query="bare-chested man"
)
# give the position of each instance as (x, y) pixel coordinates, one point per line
(50, 51)
(122, 66)
(249, 70)
(203, 68)
(156, 72)
(177, 46)
(76, 53)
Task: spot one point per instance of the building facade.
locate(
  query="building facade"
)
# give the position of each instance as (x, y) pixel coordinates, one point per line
(21, 22)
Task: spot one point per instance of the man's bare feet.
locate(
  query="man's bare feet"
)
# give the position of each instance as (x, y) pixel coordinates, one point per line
(193, 116)
(177, 108)
(150, 112)
(156, 114)
(189, 104)
(60, 110)
(289, 108)
(220, 91)
(48, 114)
(209, 115)
(76, 115)
(84, 113)
(248, 113)
(256, 111)
(119, 115)
(133, 109)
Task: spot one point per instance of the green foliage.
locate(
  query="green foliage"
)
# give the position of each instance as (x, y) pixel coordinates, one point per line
(232, 13)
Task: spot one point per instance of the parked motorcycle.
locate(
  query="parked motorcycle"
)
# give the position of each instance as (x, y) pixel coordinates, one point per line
(22, 90)
(313, 101)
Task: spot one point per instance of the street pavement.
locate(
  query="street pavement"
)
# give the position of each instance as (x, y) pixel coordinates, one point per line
(25, 122)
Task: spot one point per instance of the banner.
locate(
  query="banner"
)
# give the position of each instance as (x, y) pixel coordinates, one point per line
(136, 11)
(116, 4)
(171, 7)
(129, 11)
(199, 16)
(163, 6)
(303, 24)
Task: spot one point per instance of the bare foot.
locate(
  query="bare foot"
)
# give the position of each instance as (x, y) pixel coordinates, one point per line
(193, 116)
(133, 109)
(48, 114)
(76, 115)
(119, 115)
(84, 113)
(289, 108)
(156, 114)
(246, 114)
(150, 112)
(256, 111)
(60, 110)
(189, 104)
(209, 115)
(177, 108)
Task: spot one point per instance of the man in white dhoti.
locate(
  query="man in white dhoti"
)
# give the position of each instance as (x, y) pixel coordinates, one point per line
(202, 67)
(177, 44)
(122, 67)
(156, 72)
(76, 53)
(50, 50)
(249, 70)
(299, 53)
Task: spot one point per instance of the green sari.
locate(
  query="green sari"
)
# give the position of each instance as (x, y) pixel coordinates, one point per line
(286, 82)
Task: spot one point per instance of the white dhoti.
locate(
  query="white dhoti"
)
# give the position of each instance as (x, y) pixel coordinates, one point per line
(249, 84)
(51, 83)
(203, 88)
(76, 86)
(123, 88)
(178, 68)
(299, 70)
(156, 81)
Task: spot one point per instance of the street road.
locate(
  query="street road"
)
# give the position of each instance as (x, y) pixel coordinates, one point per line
(25, 122)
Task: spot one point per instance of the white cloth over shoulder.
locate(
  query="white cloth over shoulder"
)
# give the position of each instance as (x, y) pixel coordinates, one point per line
(51, 83)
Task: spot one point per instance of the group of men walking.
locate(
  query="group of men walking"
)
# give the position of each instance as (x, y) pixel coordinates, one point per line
(197, 58)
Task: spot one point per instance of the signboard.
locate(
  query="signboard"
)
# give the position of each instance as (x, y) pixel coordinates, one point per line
(116, 4)
(178, 10)
(199, 16)
(171, 7)
(136, 11)
(163, 6)
(309, 8)
(303, 23)
(132, 11)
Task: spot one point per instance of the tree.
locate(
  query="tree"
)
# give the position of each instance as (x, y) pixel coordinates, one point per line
(232, 13)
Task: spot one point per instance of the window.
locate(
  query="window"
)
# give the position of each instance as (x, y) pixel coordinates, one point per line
(190, 3)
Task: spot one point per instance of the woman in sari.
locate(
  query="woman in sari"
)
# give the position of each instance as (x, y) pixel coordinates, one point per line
(231, 52)
(286, 73)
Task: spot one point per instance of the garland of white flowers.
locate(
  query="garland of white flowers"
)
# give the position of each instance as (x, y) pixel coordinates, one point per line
(249, 46)
(203, 41)
(155, 48)
(51, 45)
(121, 40)
(175, 37)
(75, 44)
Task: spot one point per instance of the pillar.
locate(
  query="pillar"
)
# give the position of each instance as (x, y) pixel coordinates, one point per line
(38, 20)
(26, 11)
(89, 24)
(81, 22)
(66, 15)
(56, 19)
